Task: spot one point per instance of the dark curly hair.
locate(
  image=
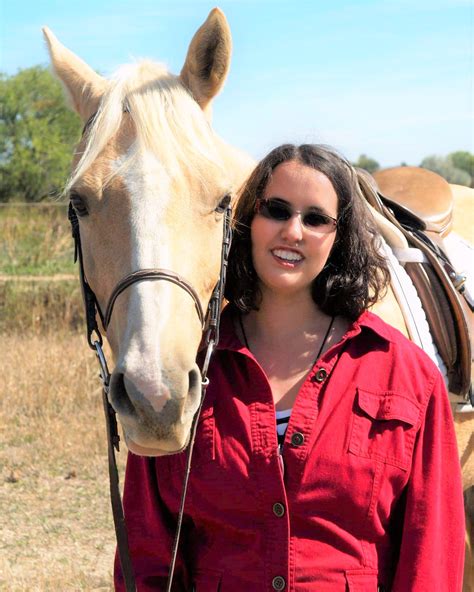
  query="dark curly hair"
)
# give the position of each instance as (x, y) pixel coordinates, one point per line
(355, 274)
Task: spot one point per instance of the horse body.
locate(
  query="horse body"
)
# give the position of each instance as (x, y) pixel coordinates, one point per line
(436, 203)
(426, 204)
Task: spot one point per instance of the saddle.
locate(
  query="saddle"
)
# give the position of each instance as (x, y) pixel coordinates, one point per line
(418, 207)
(424, 196)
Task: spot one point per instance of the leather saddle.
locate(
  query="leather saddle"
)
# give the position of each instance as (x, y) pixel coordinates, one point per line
(418, 205)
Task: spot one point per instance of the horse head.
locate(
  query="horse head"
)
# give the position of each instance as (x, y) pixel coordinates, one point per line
(149, 184)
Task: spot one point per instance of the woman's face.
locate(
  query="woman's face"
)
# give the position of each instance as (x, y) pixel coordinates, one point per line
(288, 255)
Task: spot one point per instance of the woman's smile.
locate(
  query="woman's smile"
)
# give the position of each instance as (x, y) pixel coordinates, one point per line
(289, 258)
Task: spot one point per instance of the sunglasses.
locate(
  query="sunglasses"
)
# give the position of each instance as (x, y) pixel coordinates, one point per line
(279, 210)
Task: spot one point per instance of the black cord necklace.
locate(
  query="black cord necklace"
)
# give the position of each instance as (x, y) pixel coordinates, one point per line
(243, 331)
(320, 349)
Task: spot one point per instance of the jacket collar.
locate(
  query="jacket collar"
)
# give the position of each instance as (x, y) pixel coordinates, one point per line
(372, 322)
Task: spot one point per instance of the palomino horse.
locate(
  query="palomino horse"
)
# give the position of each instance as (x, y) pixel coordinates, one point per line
(150, 180)
(149, 185)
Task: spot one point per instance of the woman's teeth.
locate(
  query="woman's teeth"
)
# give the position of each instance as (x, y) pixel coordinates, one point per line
(287, 255)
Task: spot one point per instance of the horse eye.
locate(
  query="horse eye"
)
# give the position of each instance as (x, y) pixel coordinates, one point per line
(224, 204)
(79, 204)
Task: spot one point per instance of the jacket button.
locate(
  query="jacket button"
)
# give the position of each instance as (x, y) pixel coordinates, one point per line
(279, 510)
(320, 375)
(297, 439)
(278, 583)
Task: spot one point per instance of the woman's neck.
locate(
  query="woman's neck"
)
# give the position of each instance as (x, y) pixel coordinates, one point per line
(281, 318)
(286, 335)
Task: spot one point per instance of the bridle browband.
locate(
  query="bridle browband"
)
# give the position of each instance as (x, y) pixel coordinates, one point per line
(210, 326)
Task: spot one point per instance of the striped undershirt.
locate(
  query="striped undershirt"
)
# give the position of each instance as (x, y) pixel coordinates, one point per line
(282, 419)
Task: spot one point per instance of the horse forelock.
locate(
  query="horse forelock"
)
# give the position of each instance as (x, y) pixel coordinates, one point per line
(166, 121)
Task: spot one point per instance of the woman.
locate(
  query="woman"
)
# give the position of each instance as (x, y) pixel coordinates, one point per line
(360, 490)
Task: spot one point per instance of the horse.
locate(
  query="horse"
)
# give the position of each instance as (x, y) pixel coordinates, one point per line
(150, 181)
(149, 185)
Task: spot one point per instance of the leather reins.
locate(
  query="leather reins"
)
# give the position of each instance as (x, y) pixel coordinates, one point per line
(210, 326)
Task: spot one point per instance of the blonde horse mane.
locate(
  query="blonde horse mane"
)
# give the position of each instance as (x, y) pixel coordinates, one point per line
(167, 122)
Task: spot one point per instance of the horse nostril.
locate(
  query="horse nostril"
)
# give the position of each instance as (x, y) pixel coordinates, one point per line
(119, 398)
(194, 379)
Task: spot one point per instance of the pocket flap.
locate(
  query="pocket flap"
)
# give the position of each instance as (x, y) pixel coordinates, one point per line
(362, 580)
(388, 405)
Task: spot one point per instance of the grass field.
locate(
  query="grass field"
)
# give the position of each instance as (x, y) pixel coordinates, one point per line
(56, 530)
(35, 240)
(40, 306)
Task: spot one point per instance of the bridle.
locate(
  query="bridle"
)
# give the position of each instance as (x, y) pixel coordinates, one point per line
(210, 325)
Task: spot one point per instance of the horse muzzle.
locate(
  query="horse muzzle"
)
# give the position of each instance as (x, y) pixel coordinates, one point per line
(156, 421)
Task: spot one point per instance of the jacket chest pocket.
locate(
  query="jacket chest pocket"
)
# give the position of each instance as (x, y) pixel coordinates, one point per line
(384, 427)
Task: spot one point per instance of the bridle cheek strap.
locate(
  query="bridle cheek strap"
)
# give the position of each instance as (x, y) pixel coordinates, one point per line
(210, 325)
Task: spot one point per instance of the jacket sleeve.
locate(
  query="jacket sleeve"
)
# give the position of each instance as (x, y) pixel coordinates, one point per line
(433, 529)
(150, 529)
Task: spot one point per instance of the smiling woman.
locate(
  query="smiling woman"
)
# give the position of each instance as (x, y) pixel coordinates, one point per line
(334, 499)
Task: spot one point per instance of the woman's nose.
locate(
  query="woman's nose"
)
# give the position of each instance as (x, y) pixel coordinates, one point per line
(292, 229)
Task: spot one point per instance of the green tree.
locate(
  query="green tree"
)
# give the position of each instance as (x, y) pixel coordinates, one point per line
(444, 166)
(37, 135)
(367, 163)
(464, 161)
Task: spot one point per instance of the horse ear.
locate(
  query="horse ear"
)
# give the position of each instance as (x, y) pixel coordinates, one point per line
(208, 59)
(84, 86)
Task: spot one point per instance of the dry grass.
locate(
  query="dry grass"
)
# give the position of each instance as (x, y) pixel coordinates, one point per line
(27, 304)
(56, 531)
(35, 240)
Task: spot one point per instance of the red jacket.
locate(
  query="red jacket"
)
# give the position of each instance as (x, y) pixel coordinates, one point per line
(370, 494)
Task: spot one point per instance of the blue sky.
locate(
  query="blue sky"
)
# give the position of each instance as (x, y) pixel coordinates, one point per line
(391, 79)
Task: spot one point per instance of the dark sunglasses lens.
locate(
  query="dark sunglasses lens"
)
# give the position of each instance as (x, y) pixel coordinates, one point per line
(316, 220)
(275, 210)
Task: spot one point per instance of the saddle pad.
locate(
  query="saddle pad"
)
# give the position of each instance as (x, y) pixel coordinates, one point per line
(461, 255)
(412, 310)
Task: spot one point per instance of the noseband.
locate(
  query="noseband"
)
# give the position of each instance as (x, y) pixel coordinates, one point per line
(210, 327)
(152, 274)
